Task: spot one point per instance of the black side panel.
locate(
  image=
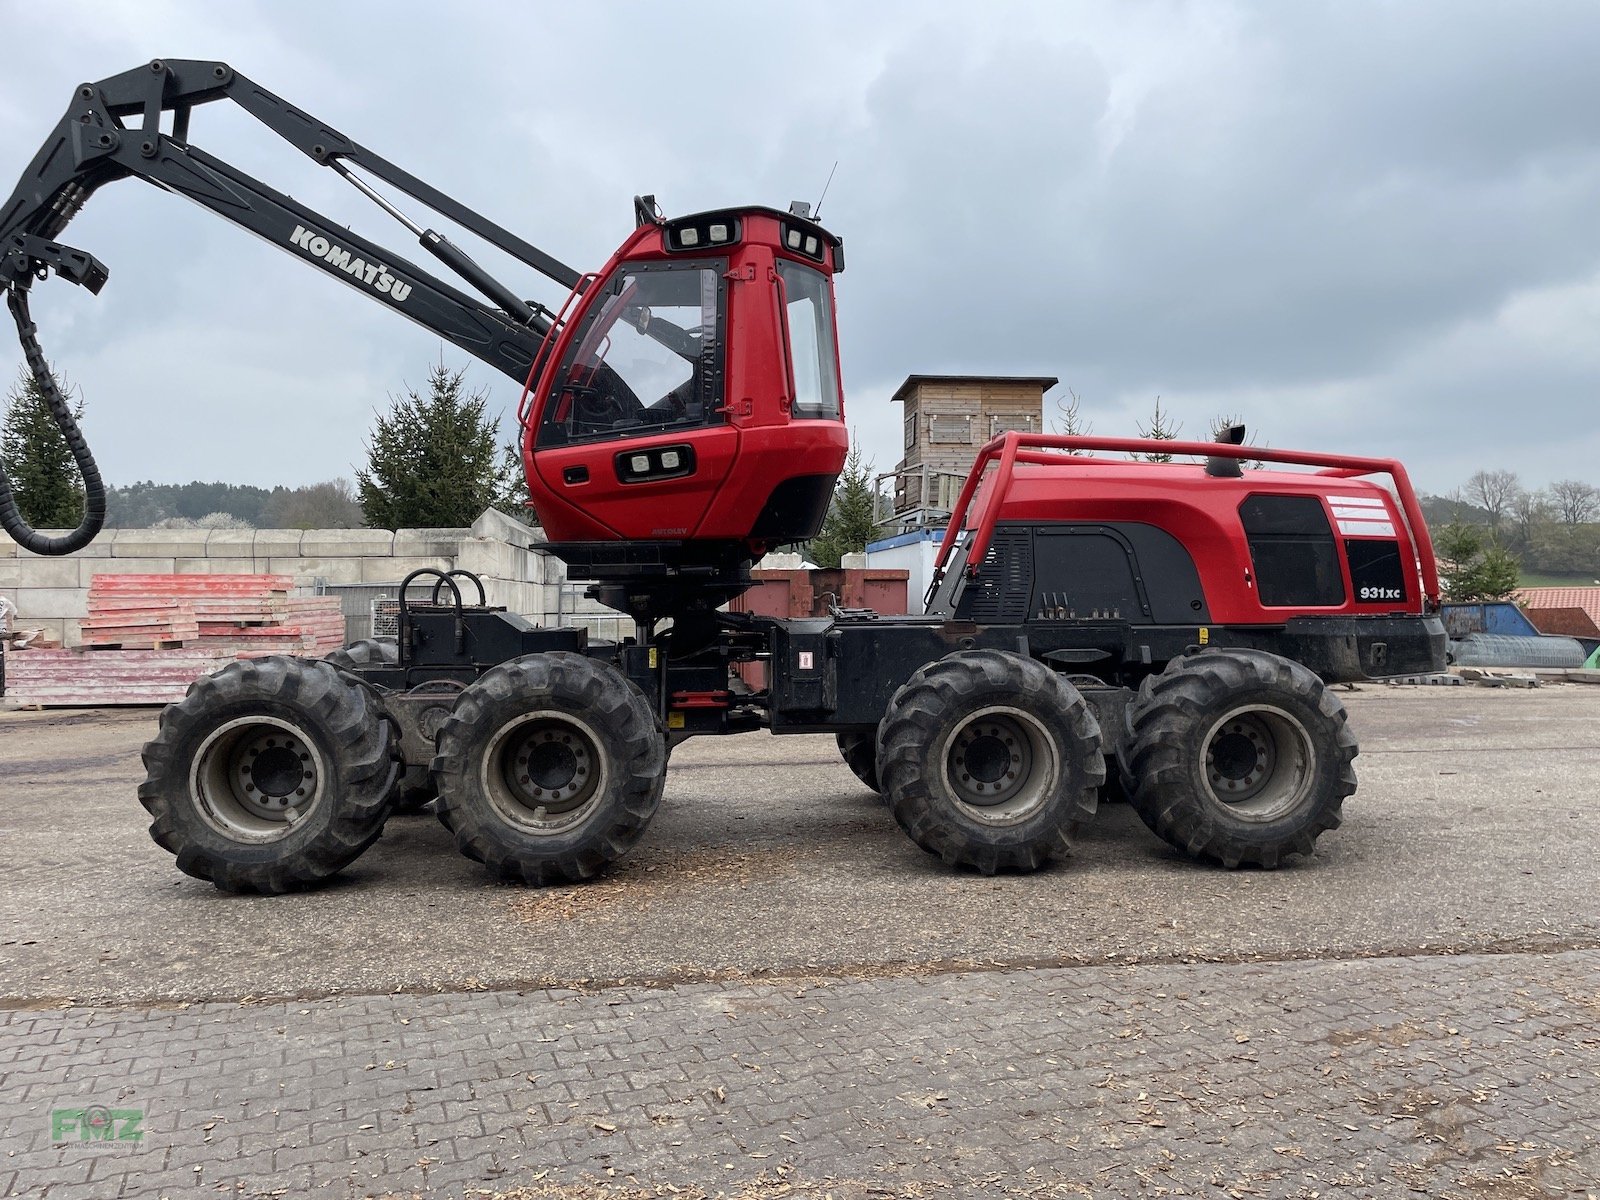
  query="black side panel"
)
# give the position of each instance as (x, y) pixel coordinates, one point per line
(1165, 567)
(1000, 593)
(1085, 571)
(795, 510)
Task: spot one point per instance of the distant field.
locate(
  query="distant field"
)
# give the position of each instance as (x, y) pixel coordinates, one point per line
(1537, 579)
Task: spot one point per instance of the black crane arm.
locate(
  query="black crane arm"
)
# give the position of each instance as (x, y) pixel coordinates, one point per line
(113, 130)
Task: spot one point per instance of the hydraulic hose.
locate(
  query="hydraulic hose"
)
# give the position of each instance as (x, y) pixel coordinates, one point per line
(94, 488)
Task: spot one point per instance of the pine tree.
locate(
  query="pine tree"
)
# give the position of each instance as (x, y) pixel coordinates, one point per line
(433, 461)
(43, 475)
(850, 523)
(1161, 429)
(511, 486)
(1472, 567)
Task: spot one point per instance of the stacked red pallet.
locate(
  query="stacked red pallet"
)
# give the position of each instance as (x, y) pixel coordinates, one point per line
(228, 614)
(148, 637)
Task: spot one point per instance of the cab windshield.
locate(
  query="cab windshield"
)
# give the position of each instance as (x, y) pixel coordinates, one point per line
(645, 360)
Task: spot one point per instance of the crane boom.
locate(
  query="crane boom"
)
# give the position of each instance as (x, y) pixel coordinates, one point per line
(113, 130)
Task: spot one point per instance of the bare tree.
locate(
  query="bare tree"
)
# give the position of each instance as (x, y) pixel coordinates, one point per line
(1529, 511)
(1494, 491)
(1575, 502)
(1070, 419)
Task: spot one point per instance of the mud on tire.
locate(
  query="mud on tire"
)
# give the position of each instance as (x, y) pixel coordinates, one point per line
(990, 760)
(549, 767)
(1239, 756)
(269, 776)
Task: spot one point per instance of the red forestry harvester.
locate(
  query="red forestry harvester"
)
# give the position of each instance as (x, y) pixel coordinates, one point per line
(681, 413)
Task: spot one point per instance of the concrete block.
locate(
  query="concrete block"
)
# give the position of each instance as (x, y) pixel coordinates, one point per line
(99, 548)
(47, 603)
(393, 570)
(428, 543)
(231, 543)
(280, 543)
(8, 548)
(89, 568)
(853, 562)
(10, 572)
(496, 524)
(220, 566)
(346, 543)
(306, 570)
(159, 543)
(34, 572)
(490, 557)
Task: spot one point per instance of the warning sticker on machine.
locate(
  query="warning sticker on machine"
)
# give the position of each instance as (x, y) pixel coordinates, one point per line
(806, 660)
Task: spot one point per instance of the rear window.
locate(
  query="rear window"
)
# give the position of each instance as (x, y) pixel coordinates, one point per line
(1293, 551)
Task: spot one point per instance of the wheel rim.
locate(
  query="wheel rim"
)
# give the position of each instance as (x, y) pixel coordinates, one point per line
(1259, 762)
(544, 772)
(1001, 765)
(256, 778)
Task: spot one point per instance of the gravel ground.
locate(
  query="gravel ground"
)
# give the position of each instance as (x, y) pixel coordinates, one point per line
(1473, 830)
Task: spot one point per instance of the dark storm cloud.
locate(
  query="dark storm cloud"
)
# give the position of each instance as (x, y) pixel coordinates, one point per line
(1363, 226)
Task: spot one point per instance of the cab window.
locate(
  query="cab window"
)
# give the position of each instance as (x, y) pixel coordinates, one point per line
(808, 310)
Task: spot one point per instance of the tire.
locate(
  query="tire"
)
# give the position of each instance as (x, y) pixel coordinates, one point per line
(364, 653)
(595, 764)
(226, 818)
(415, 789)
(1239, 756)
(990, 760)
(860, 754)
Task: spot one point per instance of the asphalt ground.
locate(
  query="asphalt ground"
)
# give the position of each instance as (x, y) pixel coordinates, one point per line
(1474, 830)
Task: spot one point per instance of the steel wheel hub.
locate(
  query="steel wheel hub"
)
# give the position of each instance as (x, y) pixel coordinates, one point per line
(544, 771)
(1001, 765)
(1260, 763)
(255, 777)
(990, 761)
(1239, 758)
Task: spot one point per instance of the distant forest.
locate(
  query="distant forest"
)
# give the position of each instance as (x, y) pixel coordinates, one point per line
(330, 505)
(1553, 533)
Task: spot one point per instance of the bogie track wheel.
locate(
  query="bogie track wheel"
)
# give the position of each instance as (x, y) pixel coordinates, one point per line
(990, 760)
(414, 790)
(860, 754)
(1240, 756)
(549, 767)
(269, 776)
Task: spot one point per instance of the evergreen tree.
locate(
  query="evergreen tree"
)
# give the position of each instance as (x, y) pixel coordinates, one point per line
(851, 520)
(433, 461)
(512, 485)
(1162, 429)
(1473, 567)
(44, 476)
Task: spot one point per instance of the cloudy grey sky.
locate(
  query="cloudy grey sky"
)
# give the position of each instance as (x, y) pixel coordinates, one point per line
(1369, 227)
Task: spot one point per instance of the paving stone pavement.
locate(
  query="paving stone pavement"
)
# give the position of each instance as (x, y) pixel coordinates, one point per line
(1472, 1077)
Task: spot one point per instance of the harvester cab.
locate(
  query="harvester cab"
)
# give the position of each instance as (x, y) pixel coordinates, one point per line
(693, 393)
